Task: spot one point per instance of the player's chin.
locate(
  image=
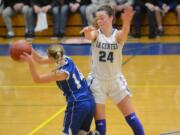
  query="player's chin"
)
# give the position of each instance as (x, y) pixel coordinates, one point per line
(100, 26)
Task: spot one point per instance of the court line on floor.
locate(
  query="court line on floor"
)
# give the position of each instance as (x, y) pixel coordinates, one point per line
(36, 129)
(170, 133)
(139, 50)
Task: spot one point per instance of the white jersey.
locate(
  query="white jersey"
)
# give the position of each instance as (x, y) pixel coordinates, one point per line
(106, 57)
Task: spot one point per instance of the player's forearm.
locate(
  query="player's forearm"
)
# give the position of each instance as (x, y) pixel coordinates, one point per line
(34, 73)
(88, 35)
(125, 31)
(36, 56)
(40, 59)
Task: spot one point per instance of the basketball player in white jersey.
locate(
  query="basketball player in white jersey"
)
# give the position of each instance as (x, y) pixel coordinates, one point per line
(106, 78)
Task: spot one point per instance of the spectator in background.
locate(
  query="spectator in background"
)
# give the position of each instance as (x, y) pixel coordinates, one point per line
(73, 6)
(50, 7)
(95, 4)
(164, 6)
(12, 7)
(178, 10)
(121, 5)
(57, 20)
(140, 7)
(1, 6)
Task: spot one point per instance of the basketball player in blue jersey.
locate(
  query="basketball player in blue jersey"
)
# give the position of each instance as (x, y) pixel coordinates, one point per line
(80, 102)
(106, 77)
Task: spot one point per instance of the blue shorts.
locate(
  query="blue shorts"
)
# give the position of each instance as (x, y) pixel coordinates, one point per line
(78, 116)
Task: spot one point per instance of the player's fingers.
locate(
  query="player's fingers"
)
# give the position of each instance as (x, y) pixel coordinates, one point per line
(123, 15)
(22, 57)
(93, 28)
(128, 9)
(133, 12)
(83, 30)
(25, 54)
(129, 13)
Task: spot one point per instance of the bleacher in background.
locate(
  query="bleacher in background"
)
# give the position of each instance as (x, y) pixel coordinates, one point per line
(74, 25)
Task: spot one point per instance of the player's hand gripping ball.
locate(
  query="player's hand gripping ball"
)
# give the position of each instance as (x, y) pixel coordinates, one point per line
(18, 48)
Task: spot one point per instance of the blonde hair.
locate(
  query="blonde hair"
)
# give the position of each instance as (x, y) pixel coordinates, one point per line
(56, 51)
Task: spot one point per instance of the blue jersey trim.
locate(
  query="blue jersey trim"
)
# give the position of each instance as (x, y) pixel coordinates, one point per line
(113, 30)
(71, 92)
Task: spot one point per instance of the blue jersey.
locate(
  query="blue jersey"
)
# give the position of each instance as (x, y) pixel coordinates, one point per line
(81, 106)
(75, 87)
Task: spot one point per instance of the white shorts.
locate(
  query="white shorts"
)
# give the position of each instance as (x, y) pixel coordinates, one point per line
(115, 89)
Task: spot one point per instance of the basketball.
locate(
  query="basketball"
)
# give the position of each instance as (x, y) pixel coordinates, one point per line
(18, 47)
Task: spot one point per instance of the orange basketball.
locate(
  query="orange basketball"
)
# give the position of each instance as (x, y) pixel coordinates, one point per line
(18, 47)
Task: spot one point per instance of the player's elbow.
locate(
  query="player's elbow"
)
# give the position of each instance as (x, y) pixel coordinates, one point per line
(37, 80)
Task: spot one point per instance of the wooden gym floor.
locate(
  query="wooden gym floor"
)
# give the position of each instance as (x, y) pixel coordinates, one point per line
(27, 108)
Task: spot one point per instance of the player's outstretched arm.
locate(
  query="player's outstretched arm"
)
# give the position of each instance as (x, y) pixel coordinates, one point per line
(42, 78)
(90, 33)
(40, 59)
(127, 16)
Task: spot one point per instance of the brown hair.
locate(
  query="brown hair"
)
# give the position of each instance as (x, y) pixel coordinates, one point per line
(109, 10)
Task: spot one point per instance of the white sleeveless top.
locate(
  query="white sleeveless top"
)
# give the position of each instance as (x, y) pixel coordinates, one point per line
(106, 57)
